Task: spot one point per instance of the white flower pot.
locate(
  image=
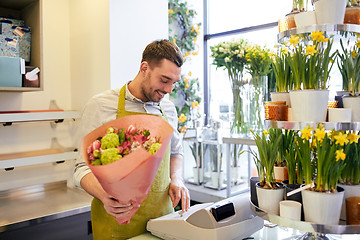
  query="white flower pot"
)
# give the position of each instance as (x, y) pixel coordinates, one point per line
(269, 199)
(322, 208)
(339, 114)
(281, 97)
(349, 191)
(198, 175)
(330, 11)
(216, 179)
(309, 105)
(354, 104)
(303, 19)
(235, 174)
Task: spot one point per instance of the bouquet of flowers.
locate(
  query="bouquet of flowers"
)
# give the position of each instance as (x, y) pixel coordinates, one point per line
(125, 162)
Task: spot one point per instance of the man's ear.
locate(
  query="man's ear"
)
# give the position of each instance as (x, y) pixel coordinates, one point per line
(144, 66)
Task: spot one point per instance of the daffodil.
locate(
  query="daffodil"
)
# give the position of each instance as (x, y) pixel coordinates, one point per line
(353, 138)
(317, 36)
(306, 133)
(310, 50)
(319, 134)
(358, 43)
(194, 104)
(265, 132)
(171, 11)
(294, 40)
(340, 155)
(341, 139)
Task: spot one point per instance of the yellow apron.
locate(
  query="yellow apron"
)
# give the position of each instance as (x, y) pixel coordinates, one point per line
(156, 204)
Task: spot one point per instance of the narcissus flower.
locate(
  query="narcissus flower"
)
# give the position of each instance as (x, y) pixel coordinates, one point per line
(306, 133)
(353, 138)
(340, 155)
(341, 139)
(182, 118)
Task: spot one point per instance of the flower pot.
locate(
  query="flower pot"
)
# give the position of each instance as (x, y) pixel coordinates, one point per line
(198, 175)
(303, 19)
(217, 179)
(339, 96)
(339, 114)
(281, 96)
(253, 195)
(290, 209)
(349, 191)
(287, 23)
(354, 104)
(322, 208)
(353, 211)
(309, 105)
(269, 199)
(352, 15)
(330, 11)
(295, 197)
(281, 173)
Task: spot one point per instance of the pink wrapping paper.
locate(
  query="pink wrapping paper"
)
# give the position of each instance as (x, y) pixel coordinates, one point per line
(129, 179)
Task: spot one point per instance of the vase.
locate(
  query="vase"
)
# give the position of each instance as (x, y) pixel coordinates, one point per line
(349, 191)
(330, 11)
(354, 104)
(281, 96)
(269, 199)
(303, 19)
(258, 92)
(322, 207)
(198, 175)
(235, 173)
(352, 15)
(238, 116)
(217, 179)
(342, 115)
(309, 105)
(287, 23)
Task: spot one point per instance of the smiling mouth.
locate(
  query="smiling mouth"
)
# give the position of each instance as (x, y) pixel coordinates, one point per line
(161, 94)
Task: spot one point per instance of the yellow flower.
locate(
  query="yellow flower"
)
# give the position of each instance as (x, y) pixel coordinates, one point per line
(187, 12)
(174, 40)
(340, 155)
(306, 133)
(353, 138)
(310, 50)
(182, 118)
(171, 11)
(190, 73)
(265, 132)
(294, 40)
(317, 36)
(354, 53)
(187, 85)
(357, 43)
(183, 129)
(319, 134)
(186, 80)
(194, 104)
(341, 139)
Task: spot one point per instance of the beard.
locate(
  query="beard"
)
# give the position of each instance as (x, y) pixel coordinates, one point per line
(147, 91)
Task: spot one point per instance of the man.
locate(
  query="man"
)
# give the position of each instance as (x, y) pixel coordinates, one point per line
(160, 69)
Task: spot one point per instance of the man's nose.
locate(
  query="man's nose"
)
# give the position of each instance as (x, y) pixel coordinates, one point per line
(168, 88)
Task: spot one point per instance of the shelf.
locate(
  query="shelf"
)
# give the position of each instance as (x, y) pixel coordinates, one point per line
(305, 226)
(35, 157)
(20, 89)
(8, 118)
(345, 28)
(355, 126)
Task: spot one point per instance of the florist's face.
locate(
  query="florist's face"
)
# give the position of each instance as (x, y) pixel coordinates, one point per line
(159, 81)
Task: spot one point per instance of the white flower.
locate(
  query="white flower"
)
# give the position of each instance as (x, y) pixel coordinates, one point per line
(227, 59)
(236, 51)
(221, 49)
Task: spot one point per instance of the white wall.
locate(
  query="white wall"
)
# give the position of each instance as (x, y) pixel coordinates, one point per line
(133, 25)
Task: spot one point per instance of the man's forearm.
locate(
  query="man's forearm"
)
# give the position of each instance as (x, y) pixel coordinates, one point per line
(91, 185)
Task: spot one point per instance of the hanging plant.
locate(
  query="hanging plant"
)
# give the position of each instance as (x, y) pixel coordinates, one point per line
(184, 32)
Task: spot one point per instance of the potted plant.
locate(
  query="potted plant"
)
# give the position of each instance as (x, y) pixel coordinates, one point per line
(282, 73)
(305, 17)
(258, 65)
(217, 175)
(311, 61)
(350, 176)
(352, 12)
(349, 66)
(231, 57)
(269, 192)
(322, 203)
(280, 168)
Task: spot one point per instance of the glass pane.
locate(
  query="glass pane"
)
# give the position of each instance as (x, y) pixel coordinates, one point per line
(220, 89)
(228, 15)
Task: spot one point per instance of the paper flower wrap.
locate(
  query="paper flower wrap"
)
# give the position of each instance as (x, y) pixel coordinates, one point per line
(129, 179)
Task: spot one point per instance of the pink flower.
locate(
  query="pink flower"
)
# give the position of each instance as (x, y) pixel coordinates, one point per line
(131, 130)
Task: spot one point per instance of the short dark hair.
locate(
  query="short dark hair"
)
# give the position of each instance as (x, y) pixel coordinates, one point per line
(162, 49)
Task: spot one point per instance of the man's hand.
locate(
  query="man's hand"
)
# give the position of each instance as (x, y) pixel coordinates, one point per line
(177, 191)
(115, 208)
